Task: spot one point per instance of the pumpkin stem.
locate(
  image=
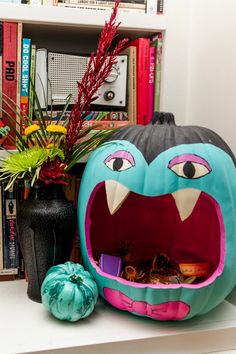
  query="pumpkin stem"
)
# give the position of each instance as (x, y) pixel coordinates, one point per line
(76, 279)
(161, 118)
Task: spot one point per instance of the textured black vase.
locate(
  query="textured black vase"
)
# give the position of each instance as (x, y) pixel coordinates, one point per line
(46, 224)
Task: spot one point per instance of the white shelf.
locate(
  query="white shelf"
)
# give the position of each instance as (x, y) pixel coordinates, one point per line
(64, 17)
(26, 327)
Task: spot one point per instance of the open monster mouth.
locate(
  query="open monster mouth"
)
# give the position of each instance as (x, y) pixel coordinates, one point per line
(185, 228)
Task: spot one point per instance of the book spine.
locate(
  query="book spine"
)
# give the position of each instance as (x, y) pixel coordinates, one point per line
(41, 78)
(112, 116)
(11, 259)
(25, 75)
(158, 73)
(93, 115)
(32, 81)
(103, 125)
(20, 190)
(160, 4)
(105, 2)
(151, 86)
(132, 83)
(48, 2)
(35, 2)
(18, 90)
(122, 4)
(8, 274)
(101, 8)
(142, 70)
(1, 49)
(151, 7)
(9, 84)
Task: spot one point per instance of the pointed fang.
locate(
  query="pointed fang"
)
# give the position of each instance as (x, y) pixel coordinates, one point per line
(185, 200)
(116, 194)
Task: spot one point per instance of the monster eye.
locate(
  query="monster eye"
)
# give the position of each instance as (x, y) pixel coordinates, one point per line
(119, 161)
(189, 166)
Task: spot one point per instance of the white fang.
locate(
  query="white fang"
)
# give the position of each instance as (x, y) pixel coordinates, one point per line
(185, 200)
(116, 194)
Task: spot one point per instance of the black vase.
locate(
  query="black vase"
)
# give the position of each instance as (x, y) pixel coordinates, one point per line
(46, 224)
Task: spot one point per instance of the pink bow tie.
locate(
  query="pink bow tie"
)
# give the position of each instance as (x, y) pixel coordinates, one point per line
(171, 310)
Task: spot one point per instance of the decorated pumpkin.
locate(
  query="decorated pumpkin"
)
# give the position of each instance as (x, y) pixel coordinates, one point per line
(69, 292)
(157, 216)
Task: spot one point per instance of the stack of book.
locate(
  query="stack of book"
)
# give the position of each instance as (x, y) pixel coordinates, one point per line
(136, 6)
(23, 64)
(11, 259)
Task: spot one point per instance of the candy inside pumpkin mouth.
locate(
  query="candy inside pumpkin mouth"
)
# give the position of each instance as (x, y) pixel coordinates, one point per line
(139, 228)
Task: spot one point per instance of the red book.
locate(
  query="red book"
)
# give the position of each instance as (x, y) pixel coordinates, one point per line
(151, 83)
(143, 57)
(9, 78)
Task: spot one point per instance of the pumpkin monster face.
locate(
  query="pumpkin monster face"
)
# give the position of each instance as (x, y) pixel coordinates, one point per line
(164, 189)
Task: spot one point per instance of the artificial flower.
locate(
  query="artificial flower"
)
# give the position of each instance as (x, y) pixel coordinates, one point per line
(55, 148)
(31, 129)
(53, 172)
(55, 128)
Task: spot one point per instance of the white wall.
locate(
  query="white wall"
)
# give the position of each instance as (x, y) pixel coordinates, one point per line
(199, 73)
(175, 59)
(212, 67)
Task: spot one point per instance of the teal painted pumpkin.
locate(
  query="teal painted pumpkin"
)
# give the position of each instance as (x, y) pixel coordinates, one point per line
(161, 190)
(69, 292)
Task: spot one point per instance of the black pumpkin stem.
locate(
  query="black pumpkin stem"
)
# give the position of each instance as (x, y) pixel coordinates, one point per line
(160, 118)
(76, 279)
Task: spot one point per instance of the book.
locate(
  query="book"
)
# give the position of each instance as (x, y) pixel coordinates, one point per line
(132, 83)
(25, 75)
(32, 80)
(98, 8)
(105, 124)
(160, 5)
(1, 48)
(157, 42)
(49, 2)
(142, 71)
(18, 88)
(9, 274)
(9, 80)
(20, 197)
(10, 244)
(154, 7)
(41, 77)
(91, 116)
(139, 5)
(151, 7)
(134, 3)
(35, 2)
(112, 116)
(151, 86)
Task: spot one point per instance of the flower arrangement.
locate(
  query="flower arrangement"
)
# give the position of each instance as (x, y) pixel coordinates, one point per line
(47, 150)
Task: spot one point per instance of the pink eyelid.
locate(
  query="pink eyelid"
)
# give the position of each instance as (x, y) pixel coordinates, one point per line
(191, 158)
(122, 154)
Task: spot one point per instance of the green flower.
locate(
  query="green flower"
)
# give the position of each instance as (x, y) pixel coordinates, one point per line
(26, 163)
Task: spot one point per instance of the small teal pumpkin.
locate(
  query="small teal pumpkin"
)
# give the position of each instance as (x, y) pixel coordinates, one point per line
(69, 292)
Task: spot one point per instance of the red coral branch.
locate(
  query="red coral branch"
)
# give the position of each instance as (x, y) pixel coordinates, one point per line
(99, 68)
